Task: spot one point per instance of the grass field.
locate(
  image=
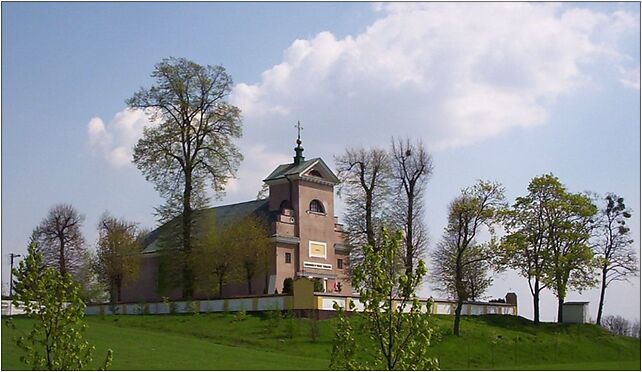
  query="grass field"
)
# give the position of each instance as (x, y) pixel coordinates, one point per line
(221, 341)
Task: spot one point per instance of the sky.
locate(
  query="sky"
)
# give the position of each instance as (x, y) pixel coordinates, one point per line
(497, 91)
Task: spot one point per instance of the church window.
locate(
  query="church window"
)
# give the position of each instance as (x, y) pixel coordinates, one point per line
(316, 173)
(288, 257)
(339, 263)
(316, 206)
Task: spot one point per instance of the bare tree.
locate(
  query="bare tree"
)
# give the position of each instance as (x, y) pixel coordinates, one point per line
(617, 325)
(476, 207)
(412, 167)
(365, 176)
(118, 256)
(635, 329)
(60, 241)
(192, 143)
(613, 246)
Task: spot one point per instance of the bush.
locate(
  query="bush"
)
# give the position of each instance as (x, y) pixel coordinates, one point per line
(288, 286)
(318, 285)
(194, 307)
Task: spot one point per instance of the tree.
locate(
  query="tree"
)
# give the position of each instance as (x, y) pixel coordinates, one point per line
(118, 256)
(59, 239)
(617, 325)
(525, 245)
(476, 207)
(617, 259)
(546, 240)
(191, 143)
(474, 275)
(216, 257)
(395, 330)
(412, 167)
(365, 176)
(50, 298)
(254, 249)
(569, 224)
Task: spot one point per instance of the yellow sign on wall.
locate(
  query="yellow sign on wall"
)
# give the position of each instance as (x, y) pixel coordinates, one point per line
(318, 249)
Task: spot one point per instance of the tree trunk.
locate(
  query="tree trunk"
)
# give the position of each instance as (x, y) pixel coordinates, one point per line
(188, 284)
(119, 286)
(601, 305)
(61, 259)
(220, 286)
(249, 285)
(560, 309)
(409, 235)
(369, 228)
(460, 305)
(536, 303)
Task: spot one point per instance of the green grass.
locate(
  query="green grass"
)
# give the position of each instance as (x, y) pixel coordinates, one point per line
(220, 341)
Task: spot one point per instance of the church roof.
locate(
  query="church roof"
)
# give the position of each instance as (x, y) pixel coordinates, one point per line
(298, 170)
(222, 215)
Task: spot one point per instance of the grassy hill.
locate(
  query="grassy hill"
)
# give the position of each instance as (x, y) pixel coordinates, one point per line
(221, 341)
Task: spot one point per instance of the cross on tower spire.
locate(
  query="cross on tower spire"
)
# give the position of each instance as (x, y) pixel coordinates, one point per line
(298, 150)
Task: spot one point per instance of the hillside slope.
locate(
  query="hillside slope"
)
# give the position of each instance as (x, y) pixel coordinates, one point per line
(223, 341)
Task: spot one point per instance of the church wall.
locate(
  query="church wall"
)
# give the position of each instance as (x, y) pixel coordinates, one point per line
(284, 270)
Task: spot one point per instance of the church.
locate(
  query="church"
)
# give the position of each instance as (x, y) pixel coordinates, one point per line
(308, 241)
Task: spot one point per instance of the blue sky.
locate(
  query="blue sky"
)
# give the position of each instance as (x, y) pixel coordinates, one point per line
(496, 91)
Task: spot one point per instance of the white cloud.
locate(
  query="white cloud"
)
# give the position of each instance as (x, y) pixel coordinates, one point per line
(453, 74)
(115, 141)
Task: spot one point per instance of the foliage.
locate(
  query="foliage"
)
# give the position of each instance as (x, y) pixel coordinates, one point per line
(118, 259)
(288, 285)
(547, 239)
(460, 262)
(191, 143)
(59, 239)
(616, 257)
(318, 285)
(254, 249)
(51, 298)
(273, 317)
(401, 339)
(194, 307)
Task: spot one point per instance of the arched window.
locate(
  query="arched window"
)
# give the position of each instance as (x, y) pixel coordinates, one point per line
(316, 206)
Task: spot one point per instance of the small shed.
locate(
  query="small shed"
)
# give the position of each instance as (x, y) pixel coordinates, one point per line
(575, 312)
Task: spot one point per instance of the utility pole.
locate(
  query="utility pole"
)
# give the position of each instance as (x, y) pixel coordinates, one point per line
(12, 256)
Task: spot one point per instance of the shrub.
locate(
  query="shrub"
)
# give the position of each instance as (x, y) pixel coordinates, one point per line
(318, 285)
(315, 330)
(288, 286)
(194, 307)
(291, 325)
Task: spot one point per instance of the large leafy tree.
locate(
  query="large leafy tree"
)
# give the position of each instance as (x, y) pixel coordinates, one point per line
(118, 256)
(191, 144)
(59, 239)
(617, 259)
(477, 207)
(570, 220)
(547, 239)
(52, 300)
(394, 332)
(412, 168)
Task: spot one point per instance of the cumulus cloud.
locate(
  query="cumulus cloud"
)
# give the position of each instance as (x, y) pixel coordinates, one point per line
(115, 141)
(453, 74)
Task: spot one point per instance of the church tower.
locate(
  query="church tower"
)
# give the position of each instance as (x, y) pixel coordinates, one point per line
(308, 239)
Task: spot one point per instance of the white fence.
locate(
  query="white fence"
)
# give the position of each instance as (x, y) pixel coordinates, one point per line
(9, 309)
(318, 302)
